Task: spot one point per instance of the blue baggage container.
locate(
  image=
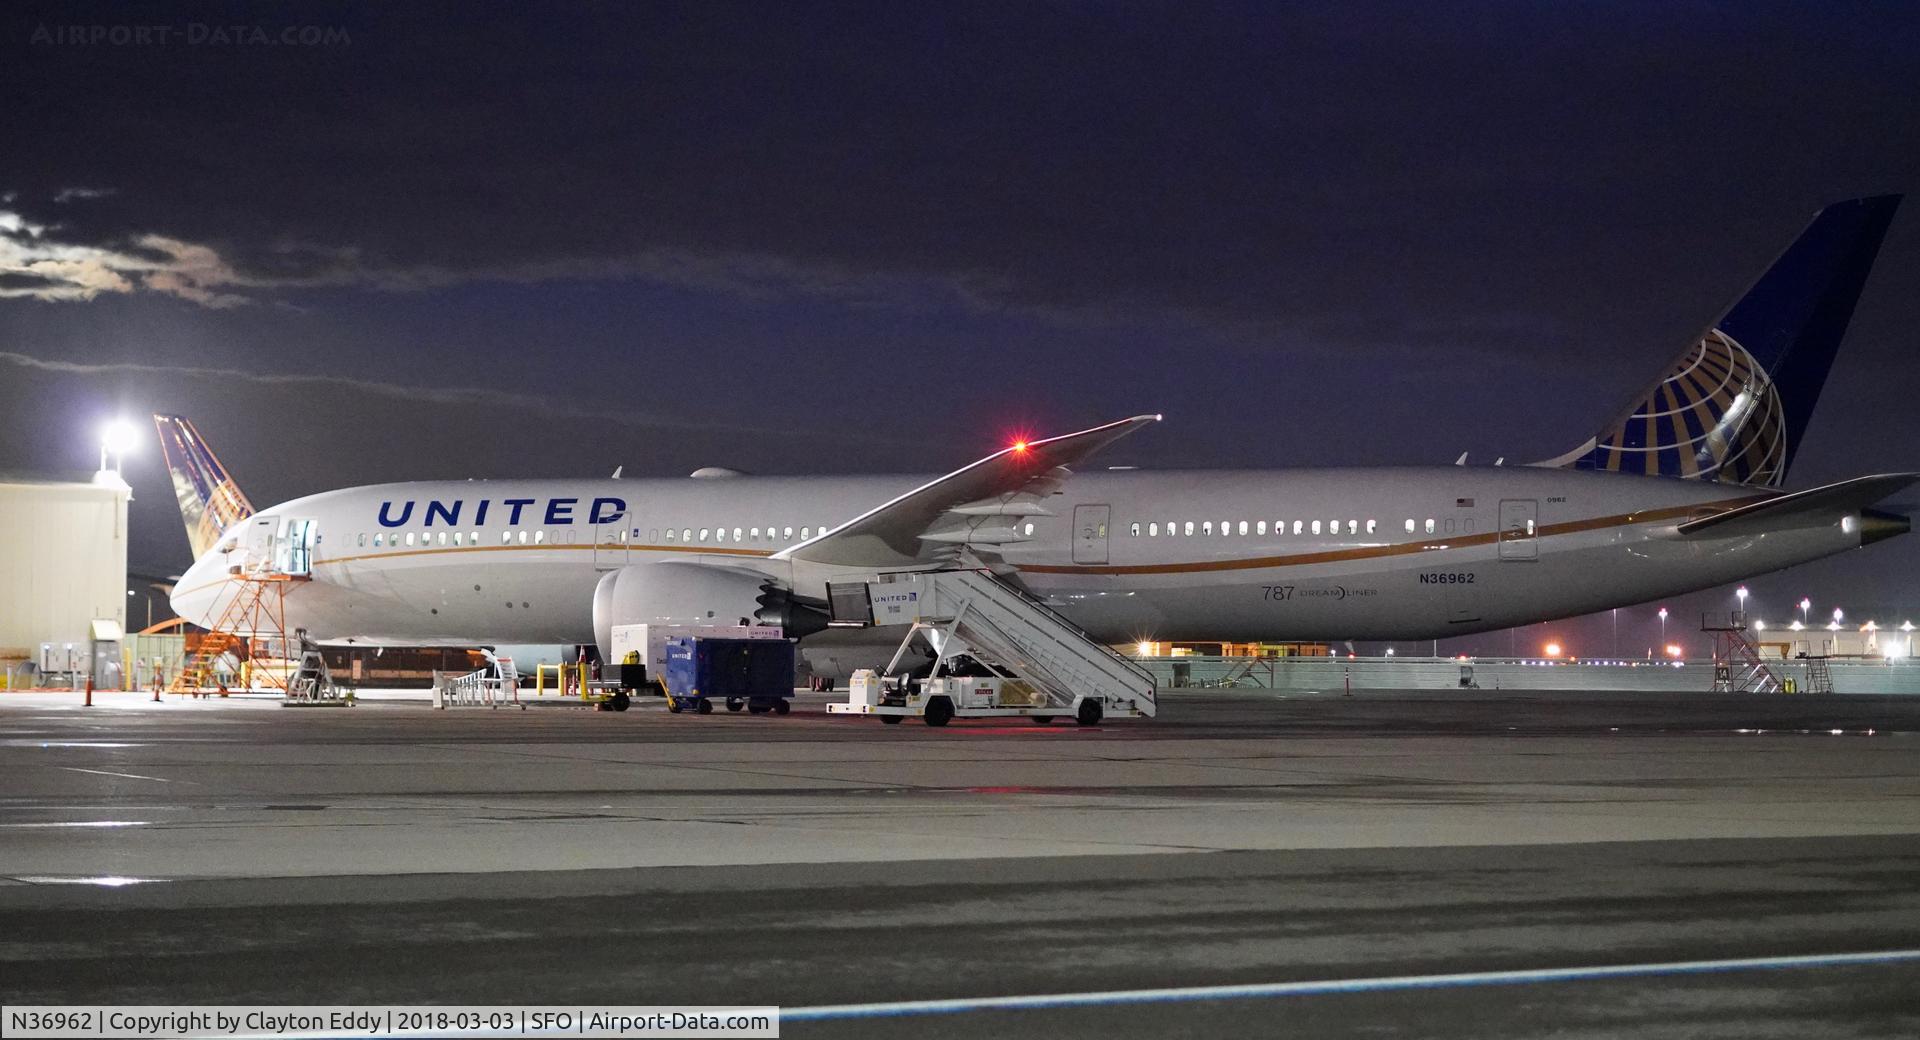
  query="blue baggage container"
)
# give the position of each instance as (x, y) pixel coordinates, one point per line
(755, 674)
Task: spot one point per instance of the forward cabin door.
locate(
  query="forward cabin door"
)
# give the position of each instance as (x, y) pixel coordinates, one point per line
(1090, 533)
(1519, 539)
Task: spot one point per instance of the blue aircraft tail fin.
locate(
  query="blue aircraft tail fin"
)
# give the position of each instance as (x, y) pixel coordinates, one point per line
(1734, 406)
(209, 500)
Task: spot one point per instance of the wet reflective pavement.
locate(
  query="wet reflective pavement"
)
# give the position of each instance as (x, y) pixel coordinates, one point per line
(228, 852)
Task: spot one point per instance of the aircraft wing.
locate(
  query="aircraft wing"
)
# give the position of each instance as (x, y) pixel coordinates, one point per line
(976, 507)
(1813, 507)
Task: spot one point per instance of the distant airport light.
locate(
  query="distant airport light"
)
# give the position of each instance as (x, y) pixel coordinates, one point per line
(1906, 626)
(1741, 592)
(1838, 613)
(1796, 626)
(1759, 625)
(1143, 649)
(1673, 650)
(1553, 649)
(1389, 651)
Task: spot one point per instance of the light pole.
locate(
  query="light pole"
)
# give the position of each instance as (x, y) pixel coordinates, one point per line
(1805, 605)
(117, 438)
(1741, 594)
(1663, 626)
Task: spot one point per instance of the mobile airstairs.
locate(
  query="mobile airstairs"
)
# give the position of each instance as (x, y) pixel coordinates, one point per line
(996, 652)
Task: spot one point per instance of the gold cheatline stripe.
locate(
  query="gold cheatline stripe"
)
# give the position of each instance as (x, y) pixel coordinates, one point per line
(709, 550)
(1383, 551)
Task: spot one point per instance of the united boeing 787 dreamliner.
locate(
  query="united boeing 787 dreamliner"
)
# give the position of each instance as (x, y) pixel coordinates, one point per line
(1684, 490)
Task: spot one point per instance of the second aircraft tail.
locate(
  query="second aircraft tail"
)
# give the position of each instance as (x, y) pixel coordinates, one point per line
(209, 500)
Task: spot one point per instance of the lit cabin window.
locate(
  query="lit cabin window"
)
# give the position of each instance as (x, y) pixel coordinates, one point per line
(670, 534)
(1529, 529)
(1297, 526)
(1028, 529)
(1371, 526)
(1189, 528)
(1260, 528)
(754, 534)
(1316, 527)
(1429, 525)
(378, 541)
(806, 533)
(1353, 527)
(1226, 528)
(458, 538)
(523, 537)
(704, 531)
(409, 537)
(1206, 527)
(1134, 530)
(686, 534)
(1333, 527)
(426, 538)
(1409, 525)
(473, 538)
(787, 532)
(737, 532)
(443, 538)
(1243, 527)
(540, 537)
(1153, 529)
(719, 534)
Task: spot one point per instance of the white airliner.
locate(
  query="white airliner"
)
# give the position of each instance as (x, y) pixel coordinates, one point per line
(1683, 491)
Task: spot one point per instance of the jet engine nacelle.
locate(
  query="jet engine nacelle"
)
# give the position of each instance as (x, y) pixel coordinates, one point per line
(672, 594)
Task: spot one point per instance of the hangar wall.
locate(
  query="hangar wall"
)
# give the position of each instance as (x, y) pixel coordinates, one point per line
(63, 560)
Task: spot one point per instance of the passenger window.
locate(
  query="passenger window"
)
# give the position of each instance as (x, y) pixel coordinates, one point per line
(540, 537)
(1260, 528)
(409, 537)
(1153, 529)
(458, 538)
(1429, 525)
(443, 538)
(704, 532)
(1134, 530)
(1316, 527)
(804, 533)
(670, 534)
(1409, 525)
(1449, 525)
(1206, 527)
(523, 537)
(1029, 529)
(378, 541)
(1353, 527)
(754, 534)
(1189, 528)
(1529, 529)
(736, 534)
(1226, 528)
(686, 534)
(1243, 527)
(789, 532)
(1371, 526)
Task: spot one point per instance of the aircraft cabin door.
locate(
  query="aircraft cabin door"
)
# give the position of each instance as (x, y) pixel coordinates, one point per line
(1090, 533)
(610, 546)
(1519, 538)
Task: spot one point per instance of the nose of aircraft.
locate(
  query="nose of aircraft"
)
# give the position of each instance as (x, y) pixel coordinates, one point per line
(1876, 526)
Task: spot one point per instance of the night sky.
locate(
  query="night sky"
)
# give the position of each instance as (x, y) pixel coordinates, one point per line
(413, 242)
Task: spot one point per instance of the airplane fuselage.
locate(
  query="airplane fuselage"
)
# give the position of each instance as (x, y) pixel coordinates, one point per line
(1392, 553)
